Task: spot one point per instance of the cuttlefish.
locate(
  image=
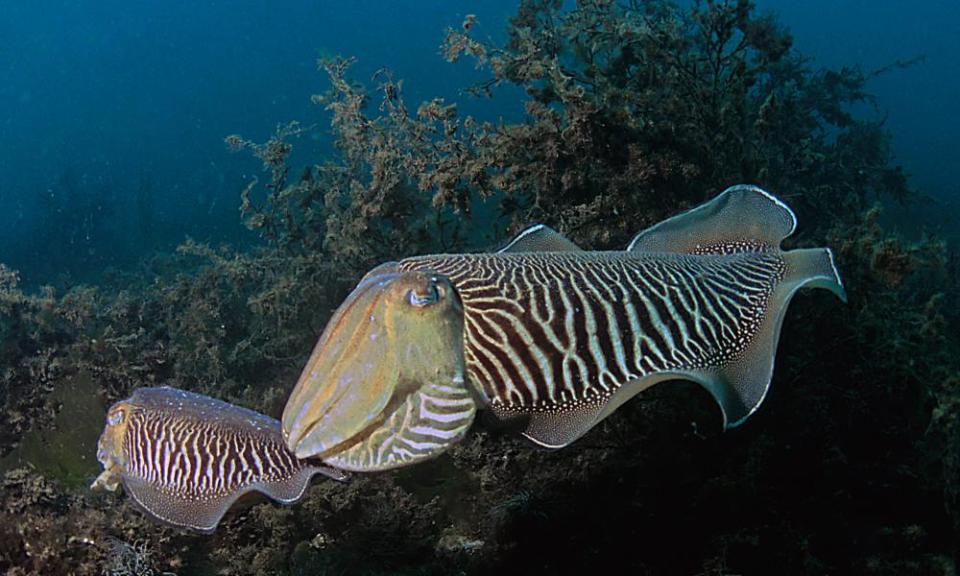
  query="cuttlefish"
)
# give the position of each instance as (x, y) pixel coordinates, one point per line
(185, 459)
(551, 337)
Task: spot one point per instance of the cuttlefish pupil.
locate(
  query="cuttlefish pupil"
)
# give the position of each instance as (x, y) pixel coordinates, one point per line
(432, 295)
(115, 417)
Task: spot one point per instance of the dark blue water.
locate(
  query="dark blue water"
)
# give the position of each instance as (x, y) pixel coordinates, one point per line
(118, 109)
(102, 100)
(920, 102)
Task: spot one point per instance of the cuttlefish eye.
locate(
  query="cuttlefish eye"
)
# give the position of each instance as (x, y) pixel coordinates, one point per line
(115, 417)
(432, 293)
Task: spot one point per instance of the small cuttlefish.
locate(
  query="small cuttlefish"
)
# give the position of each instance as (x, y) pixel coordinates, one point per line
(185, 459)
(541, 333)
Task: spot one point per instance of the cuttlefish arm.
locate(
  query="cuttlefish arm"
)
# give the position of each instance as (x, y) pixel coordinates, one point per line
(385, 386)
(184, 458)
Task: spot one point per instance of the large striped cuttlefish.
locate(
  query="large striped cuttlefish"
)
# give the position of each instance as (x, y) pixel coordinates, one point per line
(541, 333)
(552, 336)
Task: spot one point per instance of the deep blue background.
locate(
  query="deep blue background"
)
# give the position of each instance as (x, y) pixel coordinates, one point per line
(121, 94)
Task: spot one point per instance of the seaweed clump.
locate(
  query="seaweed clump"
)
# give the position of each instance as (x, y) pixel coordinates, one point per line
(634, 111)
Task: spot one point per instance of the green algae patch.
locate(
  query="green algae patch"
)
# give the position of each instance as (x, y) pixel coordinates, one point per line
(65, 451)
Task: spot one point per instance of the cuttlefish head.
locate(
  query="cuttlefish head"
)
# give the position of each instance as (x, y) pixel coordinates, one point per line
(385, 384)
(110, 447)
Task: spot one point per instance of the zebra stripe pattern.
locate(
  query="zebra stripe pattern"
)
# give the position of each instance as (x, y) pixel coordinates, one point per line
(198, 461)
(184, 458)
(553, 331)
(429, 421)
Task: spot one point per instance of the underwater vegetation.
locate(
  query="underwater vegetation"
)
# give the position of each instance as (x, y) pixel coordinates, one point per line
(634, 111)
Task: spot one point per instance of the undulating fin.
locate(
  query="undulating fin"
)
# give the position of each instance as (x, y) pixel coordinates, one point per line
(740, 218)
(540, 238)
(184, 458)
(203, 515)
(740, 385)
(556, 429)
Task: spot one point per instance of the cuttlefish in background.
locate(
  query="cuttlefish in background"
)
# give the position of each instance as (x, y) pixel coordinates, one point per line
(185, 458)
(551, 336)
